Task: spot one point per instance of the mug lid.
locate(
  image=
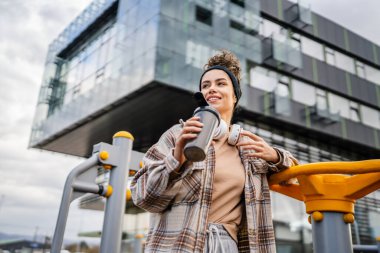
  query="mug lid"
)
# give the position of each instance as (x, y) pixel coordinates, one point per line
(210, 109)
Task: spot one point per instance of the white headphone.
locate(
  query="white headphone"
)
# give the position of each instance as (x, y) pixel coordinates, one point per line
(222, 129)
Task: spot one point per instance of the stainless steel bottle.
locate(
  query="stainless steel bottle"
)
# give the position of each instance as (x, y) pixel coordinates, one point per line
(196, 149)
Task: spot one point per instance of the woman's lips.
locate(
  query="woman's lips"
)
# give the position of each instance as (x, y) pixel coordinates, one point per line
(213, 99)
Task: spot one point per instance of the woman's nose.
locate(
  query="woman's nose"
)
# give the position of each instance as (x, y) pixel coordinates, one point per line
(212, 89)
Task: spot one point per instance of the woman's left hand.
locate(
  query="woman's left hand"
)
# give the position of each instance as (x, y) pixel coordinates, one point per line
(255, 146)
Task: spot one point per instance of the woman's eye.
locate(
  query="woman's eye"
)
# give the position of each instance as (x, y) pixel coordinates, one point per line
(204, 86)
(221, 84)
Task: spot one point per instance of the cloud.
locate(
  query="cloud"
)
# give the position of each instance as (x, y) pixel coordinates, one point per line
(32, 181)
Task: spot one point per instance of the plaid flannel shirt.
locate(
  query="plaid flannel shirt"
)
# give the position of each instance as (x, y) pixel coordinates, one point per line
(179, 203)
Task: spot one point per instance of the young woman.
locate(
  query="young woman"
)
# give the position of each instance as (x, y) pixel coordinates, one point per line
(221, 204)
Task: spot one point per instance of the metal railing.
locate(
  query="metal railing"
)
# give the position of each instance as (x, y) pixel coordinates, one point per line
(81, 180)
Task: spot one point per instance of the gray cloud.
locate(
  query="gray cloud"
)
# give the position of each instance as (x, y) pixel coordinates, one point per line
(32, 181)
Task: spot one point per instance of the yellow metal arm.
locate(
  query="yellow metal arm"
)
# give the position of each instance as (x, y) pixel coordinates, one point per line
(326, 186)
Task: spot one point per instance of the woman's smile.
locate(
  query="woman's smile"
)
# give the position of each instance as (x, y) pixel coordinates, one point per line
(213, 98)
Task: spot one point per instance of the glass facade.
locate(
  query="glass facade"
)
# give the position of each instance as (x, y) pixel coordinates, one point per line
(286, 51)
(199, 28)
(340, 60)
(108, 64)
(305, 12)
(90, 66)
(283, 47)
(79, 25)
(307, 94)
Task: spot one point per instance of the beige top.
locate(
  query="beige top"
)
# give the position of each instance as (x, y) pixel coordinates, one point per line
(229, 178)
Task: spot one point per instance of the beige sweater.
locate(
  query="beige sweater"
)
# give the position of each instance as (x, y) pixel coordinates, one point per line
(229, 178)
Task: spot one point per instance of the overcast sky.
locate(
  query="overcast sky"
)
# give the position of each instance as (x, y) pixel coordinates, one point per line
(32, 180)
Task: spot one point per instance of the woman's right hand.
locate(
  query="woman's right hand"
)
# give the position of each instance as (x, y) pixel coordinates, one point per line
(190, 129)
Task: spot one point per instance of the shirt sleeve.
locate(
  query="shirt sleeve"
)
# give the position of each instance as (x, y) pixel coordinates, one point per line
(156, 183)
(286, 160)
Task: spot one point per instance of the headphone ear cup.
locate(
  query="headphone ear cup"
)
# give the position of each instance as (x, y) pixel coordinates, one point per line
(233, 138)
(221, 130)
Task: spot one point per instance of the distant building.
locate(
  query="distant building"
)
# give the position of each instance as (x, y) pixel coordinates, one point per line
(21, 245)
(309, 85)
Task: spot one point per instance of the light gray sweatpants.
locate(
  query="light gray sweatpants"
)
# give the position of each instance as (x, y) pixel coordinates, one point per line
(218, 240)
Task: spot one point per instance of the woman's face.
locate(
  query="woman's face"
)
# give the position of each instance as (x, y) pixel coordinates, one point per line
(217, 88)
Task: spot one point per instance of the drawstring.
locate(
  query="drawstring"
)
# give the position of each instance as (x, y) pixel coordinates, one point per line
(213, 244)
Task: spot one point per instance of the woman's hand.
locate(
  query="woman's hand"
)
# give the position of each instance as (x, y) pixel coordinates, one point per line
(255, 146)
(190, 130)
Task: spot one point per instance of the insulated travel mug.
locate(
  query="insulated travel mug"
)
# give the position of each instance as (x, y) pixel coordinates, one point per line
(195, 150)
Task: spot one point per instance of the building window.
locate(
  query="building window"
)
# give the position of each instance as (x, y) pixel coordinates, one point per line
(203, 15)
(321, 100)
(312, 48)
(263, 79)
(370, 116)
(241, 3)
(76, 90)
(360, 70)
(83, 67)
(237, 25)
(295, 40)
(338, 104)
(99, 76)
(269, 28)
(282, 89)
(345, 62)
(372, 74)
(281, 101)
(303, 93)
(330, 56)
(240, 27)
(354, 111)
(197, 54)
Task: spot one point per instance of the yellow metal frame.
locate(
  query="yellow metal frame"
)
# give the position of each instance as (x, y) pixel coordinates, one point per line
(329, 186)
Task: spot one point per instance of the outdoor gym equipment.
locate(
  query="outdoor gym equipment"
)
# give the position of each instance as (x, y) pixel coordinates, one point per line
(329, 191)
(81, 180)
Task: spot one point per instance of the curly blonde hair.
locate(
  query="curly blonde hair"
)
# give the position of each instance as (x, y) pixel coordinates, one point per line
(227, 59)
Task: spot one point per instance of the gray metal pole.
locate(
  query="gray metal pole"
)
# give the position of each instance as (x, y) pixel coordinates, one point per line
(332, 234)
(138, 243)
(115, 205)
(66, 200)
(357, 233)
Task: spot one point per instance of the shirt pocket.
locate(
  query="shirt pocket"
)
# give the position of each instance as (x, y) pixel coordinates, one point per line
(191, 186)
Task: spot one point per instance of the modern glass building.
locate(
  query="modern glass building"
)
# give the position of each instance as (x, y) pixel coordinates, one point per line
(309, 85)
